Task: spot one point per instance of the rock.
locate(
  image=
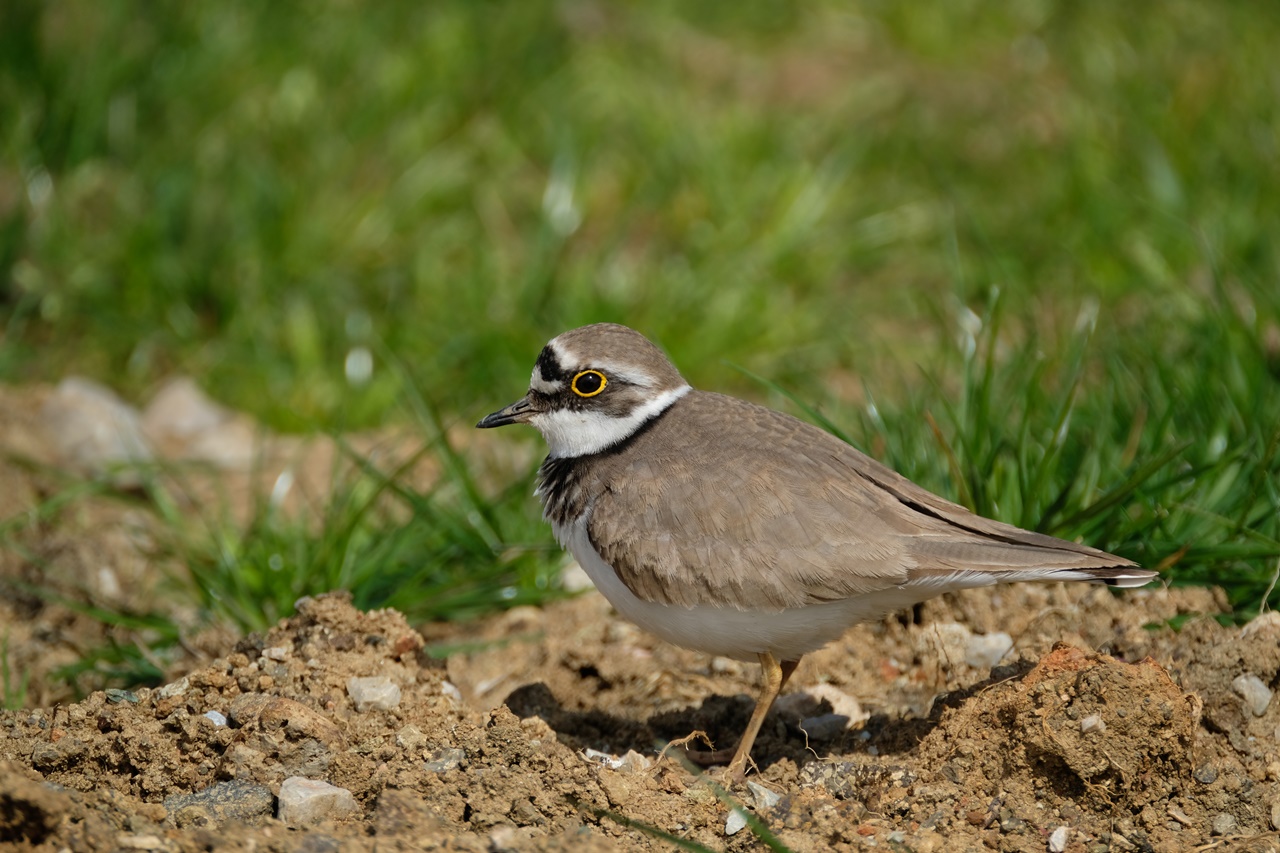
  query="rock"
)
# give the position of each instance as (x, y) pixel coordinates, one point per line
(1275, 815)
(1269, 621)
(824, 726)
(1224, 824)
(1092, 723)
(181, 409)
(736, 823)
(632, 761)
(270, 713)
(986, 650)
(574, 579)
(95, 431)
(445, 759)
(174, 689)
(1254, 692)
(845, 710)
(503, 839)
(277, 653)
(1058, 839)
(377, 693)
(304, 802)
(410, 737)
(187, 425)
(235, 800)
(765, 798)
(216, 717)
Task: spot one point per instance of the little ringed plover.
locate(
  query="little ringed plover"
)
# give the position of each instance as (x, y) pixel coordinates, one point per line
(733, 529)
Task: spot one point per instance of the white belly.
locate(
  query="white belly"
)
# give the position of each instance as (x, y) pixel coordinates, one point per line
(726, 631)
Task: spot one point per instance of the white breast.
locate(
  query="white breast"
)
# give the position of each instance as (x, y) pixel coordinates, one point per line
(726, 631)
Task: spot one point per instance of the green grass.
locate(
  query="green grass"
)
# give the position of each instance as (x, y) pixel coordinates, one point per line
(822, 195)
(444, 553)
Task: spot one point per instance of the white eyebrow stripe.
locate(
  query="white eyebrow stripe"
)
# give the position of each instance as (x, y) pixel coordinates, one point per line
(537, 383)
(611, 369)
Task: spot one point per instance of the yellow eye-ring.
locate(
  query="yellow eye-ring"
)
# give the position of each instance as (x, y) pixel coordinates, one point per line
(588, 383)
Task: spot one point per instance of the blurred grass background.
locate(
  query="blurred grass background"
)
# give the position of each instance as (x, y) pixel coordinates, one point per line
(826, 195)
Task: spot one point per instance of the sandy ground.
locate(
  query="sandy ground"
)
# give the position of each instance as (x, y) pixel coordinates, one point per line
(1102, 728)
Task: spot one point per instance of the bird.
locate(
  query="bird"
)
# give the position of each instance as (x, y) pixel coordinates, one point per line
(730, 528)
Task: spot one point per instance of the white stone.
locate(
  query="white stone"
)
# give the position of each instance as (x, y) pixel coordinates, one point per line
(736, 823)
(842, 704)
(765, 798)
(574, 579)
(632, 761)
(174, 688)
(186, 424)
(94, 430)
(448, 689)
(1092, 723)
(216, 717)
(410, 737)
(1261, 622)
(986, 650)
(180, 408)
(1058, 839)
(303, 801)
(1254, 692)
(377, 693)
(277, 653)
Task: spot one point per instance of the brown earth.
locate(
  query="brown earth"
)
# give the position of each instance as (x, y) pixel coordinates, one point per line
(1102, 729)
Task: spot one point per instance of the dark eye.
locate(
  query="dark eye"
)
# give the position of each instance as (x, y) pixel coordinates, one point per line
(589, 383)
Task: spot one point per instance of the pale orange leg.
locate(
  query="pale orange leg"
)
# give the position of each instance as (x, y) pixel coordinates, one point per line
(773, 676)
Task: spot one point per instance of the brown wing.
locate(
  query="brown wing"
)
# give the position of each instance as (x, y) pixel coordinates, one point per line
(779, 513)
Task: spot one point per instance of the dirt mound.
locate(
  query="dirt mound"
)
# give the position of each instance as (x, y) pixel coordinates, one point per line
(529, 730)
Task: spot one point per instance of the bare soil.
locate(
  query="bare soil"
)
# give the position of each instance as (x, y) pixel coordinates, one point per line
(542, 729)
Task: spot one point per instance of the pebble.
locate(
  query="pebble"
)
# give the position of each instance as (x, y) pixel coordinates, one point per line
(185, 423)
(174, 688)
(94, 430)
(765, 798)
(986, 650)
(410, 737)
(306, 801)
(232, 801)
(216, 717)
(1205, 774)
(825, 727)
(377, 692)
(736, 823)
(1058, 840)
(445, 759)
(1264, 621)
(1092, 723)
(574, 579)
(1224, 824)
(632, 761)
(452, 692)
(1254, 692)
(504, 839)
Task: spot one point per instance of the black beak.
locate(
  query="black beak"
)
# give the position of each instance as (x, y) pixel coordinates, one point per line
(517, 413)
